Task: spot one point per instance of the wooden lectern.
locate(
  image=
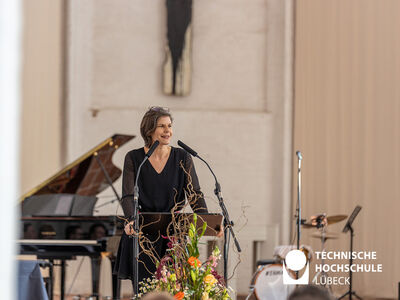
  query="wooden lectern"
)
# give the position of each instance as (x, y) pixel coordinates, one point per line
(151, 223)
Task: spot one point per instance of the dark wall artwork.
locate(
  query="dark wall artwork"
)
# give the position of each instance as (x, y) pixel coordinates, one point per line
(177, 66)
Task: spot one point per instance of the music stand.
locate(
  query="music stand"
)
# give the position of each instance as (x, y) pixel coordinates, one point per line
(346, 228)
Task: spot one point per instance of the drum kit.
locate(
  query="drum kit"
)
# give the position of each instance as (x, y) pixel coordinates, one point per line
(267, 282)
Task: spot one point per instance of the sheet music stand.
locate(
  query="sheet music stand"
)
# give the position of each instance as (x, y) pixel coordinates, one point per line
(346, 228)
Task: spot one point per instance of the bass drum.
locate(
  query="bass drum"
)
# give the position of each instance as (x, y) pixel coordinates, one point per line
(267, 283)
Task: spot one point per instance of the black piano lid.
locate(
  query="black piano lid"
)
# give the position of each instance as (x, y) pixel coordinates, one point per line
(84, 176)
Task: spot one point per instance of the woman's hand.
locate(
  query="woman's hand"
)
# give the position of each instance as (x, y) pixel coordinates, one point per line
(129, 228)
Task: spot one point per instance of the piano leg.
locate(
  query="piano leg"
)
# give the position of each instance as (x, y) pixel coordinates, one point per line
(116, 286)
(50, 287)
(95, 275)
(48, 280)
(116, 283)
(62, 279)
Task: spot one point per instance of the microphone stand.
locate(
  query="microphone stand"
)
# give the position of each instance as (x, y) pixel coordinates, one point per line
(298, 212)
(136, 222)
(136, 231)
(228, 231)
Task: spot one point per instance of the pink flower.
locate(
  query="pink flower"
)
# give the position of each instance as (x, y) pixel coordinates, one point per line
(213, 261)
(162, 263)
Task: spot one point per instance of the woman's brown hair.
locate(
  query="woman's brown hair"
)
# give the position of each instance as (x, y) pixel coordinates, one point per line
(149, 122)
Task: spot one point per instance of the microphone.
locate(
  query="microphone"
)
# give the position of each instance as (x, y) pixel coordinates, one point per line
(217, 191)
(187, 148)
(152, 148)
(298, 153)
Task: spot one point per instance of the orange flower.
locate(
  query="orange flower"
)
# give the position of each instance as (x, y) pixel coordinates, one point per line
(193, 260)
(179, 295)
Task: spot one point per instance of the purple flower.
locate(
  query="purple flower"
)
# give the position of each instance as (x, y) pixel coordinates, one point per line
(220, 278)
(172, 241)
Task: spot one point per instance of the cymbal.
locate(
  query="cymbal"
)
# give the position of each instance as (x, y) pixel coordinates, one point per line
(328, 235)
(331, 220)
(336, 219)
(308, 225)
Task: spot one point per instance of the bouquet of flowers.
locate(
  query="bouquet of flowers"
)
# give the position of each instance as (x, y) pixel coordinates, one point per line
(183, 275)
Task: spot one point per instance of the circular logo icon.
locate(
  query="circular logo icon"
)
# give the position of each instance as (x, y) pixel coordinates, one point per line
(295, 260)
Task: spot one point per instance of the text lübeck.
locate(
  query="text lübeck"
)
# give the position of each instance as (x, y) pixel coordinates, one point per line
(323, 280)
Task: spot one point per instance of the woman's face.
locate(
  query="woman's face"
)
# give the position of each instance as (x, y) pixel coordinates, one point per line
(163, 131)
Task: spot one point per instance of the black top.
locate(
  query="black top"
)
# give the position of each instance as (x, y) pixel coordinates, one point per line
(158, 192)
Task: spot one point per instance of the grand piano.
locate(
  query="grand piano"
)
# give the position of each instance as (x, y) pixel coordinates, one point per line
(57, 215)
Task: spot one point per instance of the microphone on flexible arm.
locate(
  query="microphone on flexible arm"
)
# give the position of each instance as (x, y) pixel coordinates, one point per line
(300, 158)
(194, 153)
(136, 219)
(298, 153)
(187, 148)
(227, 222)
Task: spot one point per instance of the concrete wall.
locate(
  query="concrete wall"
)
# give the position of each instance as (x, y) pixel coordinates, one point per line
(238, 115)
(41, 146)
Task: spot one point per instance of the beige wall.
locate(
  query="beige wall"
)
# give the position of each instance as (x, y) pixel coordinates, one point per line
(347, 108)
(41, 91)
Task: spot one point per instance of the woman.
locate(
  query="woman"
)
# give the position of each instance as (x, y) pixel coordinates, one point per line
(162, 184)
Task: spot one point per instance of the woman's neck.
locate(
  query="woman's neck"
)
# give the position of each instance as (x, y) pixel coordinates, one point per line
(160, 152)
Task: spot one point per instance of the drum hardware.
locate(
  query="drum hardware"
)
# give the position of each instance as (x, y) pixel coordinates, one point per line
(322, 274)
(316, 221)
(321, 223)
(327, 236)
